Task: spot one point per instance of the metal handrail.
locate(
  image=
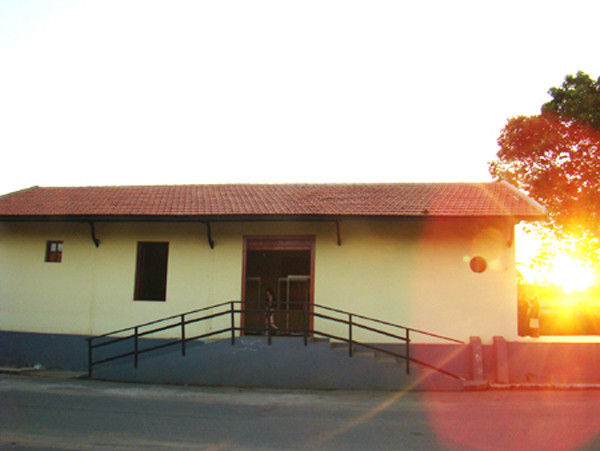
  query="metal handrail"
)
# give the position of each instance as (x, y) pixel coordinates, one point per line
(349, 319)
(210, 307)
(386, 323)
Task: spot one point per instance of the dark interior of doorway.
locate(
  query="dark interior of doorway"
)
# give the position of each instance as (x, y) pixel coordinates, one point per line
(287, 274)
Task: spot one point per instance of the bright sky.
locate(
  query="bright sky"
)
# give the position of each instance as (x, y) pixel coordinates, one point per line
(166, 92)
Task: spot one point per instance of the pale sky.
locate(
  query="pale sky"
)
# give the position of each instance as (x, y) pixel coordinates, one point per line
(167, 92)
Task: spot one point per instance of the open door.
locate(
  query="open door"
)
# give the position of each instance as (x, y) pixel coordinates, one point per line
(285, 266)
(293, 299)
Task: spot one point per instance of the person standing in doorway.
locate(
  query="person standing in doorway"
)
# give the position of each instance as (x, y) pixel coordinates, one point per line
(270, 312)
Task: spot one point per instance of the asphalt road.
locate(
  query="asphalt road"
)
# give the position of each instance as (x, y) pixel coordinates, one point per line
(46, 413)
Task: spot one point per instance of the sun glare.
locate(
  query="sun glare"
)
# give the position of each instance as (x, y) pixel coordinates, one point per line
(563, 270)
(570, 274)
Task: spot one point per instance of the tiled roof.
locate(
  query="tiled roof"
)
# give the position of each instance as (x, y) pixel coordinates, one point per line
(234, 200)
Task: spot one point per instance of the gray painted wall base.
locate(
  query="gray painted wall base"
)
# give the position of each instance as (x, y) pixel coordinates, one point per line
(52, 351)
(287, 363)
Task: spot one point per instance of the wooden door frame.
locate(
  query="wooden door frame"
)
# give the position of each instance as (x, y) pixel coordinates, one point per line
(280, 243)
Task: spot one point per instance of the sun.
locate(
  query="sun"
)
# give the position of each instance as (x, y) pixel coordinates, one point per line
(570, 274)
(566, 272)
(561, 269)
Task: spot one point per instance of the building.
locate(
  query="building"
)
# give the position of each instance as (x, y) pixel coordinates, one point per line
(83, 261)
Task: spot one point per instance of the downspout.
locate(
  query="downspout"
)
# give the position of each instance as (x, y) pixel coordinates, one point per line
(211, 243)
(93, 232)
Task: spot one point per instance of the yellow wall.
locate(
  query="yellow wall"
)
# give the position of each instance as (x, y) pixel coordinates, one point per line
(411, 272)
(417, 274)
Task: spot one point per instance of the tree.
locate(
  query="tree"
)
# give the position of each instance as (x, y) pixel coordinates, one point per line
(555, 158)
(578, 100)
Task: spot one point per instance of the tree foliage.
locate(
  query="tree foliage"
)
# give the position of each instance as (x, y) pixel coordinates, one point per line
(555, 157)
(578, 99)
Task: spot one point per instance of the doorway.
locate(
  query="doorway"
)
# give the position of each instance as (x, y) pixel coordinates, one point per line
(283, 265)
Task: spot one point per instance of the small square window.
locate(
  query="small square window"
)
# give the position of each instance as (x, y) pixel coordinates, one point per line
(54, 251)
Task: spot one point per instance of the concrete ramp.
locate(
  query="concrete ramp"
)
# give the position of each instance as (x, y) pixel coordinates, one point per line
(286, 363)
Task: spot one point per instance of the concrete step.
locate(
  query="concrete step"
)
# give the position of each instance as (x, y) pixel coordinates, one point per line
(343, 346)
(382, 357)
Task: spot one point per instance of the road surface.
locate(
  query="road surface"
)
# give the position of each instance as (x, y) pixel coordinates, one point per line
(68, 414)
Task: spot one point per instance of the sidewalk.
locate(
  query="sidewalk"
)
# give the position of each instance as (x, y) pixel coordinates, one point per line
(43, 372)
(62, 374)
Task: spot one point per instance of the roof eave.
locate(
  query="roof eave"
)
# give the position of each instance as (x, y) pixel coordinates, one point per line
(243, 218)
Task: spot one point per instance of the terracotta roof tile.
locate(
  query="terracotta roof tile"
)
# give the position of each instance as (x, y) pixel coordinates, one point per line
(397, 199)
